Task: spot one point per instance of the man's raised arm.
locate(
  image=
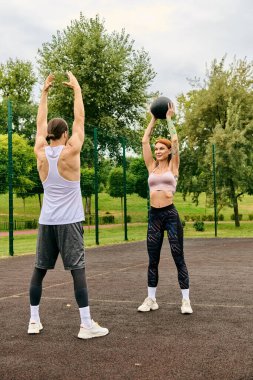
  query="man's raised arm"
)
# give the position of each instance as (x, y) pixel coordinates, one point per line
(42, 114)
(77, 137)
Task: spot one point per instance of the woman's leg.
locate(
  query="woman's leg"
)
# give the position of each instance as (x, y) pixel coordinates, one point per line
(155, 235)
(154, 243)
(175, 235)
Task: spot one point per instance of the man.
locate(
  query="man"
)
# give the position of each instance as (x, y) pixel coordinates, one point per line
(60, 222)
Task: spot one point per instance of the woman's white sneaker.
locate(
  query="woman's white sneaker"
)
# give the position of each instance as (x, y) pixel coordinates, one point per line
(34, 327)
(186, 307)
(148, 304)
(93, 332)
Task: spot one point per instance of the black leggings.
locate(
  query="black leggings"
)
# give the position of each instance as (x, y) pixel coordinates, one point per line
(80, 286)
(161, 219)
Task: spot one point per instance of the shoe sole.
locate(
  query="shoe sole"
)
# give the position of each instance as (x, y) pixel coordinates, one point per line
(186, 312)
(33, 332)
(144, 311)
(92, 336)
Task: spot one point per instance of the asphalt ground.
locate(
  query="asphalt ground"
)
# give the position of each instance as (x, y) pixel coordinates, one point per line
(215, 342)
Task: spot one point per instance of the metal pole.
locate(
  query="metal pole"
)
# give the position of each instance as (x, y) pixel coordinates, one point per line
(124, 187)
(96, 183)
(10, 179)
(214, 192)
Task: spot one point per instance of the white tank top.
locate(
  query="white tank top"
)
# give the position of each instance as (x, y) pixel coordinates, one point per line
(62, 201)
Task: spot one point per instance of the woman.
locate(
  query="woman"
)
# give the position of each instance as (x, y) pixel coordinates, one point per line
(163, 175)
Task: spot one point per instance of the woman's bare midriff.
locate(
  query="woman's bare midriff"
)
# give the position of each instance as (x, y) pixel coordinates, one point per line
(160, 198)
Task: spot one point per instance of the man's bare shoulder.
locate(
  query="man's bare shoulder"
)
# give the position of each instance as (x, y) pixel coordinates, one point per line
(73, 149)
(40, 151)
(40, 144)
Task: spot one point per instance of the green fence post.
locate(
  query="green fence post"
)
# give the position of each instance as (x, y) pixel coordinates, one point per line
(214, 192)
(96, 183)
(10, 179)
(124, 187)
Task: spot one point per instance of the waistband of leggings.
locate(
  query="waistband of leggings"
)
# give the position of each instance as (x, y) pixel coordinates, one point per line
(161, 209)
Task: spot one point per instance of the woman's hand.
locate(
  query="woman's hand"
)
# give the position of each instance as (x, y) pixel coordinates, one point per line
(171, 110)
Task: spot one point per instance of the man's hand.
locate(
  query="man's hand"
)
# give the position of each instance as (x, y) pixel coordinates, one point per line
(48, 82)
(73, 83)
(171, 110)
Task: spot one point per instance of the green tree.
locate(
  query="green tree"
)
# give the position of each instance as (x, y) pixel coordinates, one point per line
(220, 112)
(114, 78)
(23, 158)
(115, 184)
(17, 80)
(138, 168)
(37, 188)
(104, 168)
(87, 187)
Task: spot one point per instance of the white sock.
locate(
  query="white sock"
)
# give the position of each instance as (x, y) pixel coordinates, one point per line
(35, 317)
(85, 317)
(151, 292)
(185, 294)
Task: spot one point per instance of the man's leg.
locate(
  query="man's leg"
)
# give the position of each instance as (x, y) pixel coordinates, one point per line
(81, 295)
(89, 328)
(35, 296)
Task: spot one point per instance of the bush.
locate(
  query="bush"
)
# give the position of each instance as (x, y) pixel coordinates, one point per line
(183, 223)
(232, 217)
(199, 226)
(250, 216)
(187, 218)
(221, 217)
(31, 224)
(129, 218)
(195, 218)
(107, 219)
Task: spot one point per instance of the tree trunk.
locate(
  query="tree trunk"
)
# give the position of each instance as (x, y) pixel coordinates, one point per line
(236, 212)
(88, 205)
(24, 203)
(39, 196)
(235, 204)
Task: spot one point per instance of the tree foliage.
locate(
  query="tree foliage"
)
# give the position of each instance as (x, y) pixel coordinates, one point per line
(16, 84)
(220, 112)
(114, 78)
(138, 168)
(87, 182)
(23, 161)
(115, 183)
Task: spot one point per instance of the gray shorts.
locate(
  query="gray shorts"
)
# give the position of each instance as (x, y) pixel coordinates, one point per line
(66, 239)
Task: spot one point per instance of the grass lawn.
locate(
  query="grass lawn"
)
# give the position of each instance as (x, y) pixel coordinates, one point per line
(136, 207)
(24, 244)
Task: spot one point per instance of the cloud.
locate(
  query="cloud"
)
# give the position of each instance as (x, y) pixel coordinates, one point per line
(182, 37)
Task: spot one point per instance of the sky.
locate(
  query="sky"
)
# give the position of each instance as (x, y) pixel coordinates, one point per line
(182, 37)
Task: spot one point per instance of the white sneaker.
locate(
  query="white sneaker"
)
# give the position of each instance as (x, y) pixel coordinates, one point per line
(34, 327)
(186, 307)
(94, 332)
(148, 304)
